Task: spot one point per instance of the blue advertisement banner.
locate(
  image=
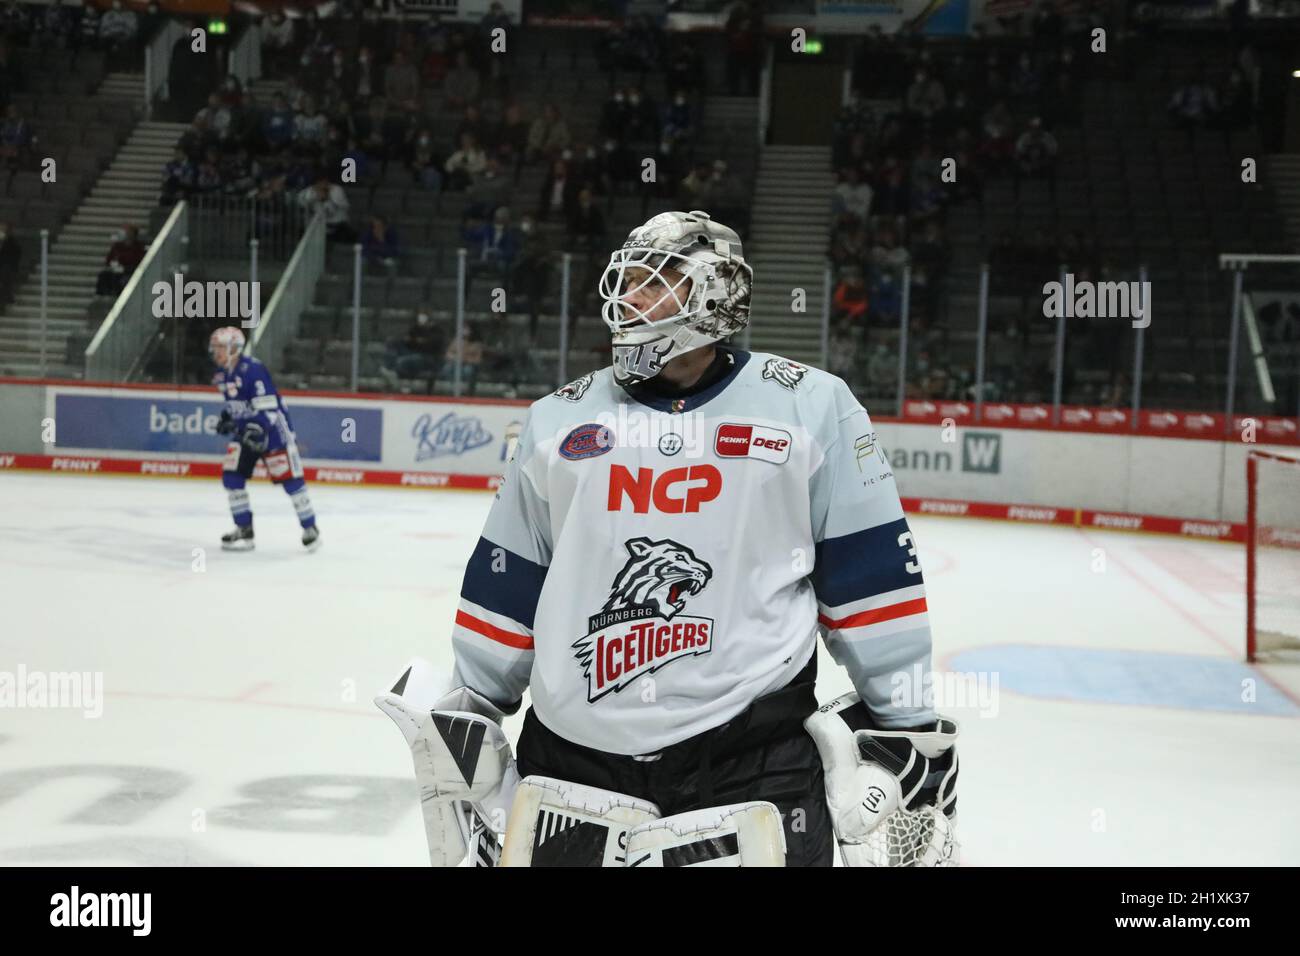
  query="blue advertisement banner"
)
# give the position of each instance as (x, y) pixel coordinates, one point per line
(188, 426)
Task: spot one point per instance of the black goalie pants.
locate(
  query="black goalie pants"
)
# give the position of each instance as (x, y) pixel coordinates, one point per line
(762, 754)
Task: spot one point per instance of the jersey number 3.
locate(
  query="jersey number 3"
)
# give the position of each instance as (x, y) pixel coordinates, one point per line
(905, 541)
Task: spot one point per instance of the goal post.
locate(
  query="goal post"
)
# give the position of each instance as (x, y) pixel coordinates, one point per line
(1272, 554)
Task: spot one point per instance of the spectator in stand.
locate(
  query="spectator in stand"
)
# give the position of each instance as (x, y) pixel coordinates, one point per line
(333, 201)
(850, 244)
(679, 120)
(365, 77)
(425, 163)
(744, 50)
(466, 164)
(216, 115)
(844, 353)
(1062, 99)
(1026, 81)
(1194, 104)
(379, 244)
(891, 195)
(11, 255)
(277, 126)
(926, 99)
(614, 115)
(849, 302)
(462, 84)
(549, 135)
(532, 271)
(559, 192)
(617, 167)
(309, 129)
(694, 188)
(123, 257)
(467, 348)
(510, 142)
(852, 196)
(493, 246)
(488, 191)
(886, 254)
(88, 38)
(586, 227)
(179, 178)
(16, 140)
(340, 78)
(685, 68)
(231, 93)
(882, 369)
(117, 34)
(58, 28)
(209, 178)
(494, 89)
(1236, 111)
(997, 144)
(588, 167)
(354, 152)
(496, 18)
(643, 124)
(401, 80)
(277, 43)
(416, 355)
(1036, 156)
(723, 197)
(471, 122)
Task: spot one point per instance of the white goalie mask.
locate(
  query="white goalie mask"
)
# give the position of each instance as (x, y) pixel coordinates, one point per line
(678, 283)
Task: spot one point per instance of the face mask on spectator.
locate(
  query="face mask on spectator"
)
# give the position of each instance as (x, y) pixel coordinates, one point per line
(526, 227)
(422, 318)
(635, 99)
(618, 97)
(567, 155)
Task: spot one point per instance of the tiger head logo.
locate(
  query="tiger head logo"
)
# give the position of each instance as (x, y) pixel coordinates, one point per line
(784, 372)
(574, 391)
(658, 575)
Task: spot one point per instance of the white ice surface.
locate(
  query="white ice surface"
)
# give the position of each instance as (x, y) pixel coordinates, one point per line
(237, 722)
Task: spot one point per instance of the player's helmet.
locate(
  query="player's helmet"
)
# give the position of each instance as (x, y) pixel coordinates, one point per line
(232, 338)
(713, 291)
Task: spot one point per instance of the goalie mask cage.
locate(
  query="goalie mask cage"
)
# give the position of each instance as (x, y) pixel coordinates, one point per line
(1272, 554)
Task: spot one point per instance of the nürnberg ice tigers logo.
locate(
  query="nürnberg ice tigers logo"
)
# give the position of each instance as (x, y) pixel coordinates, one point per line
(785, 372)
(659, 574)
(574, 391)
(643, 626)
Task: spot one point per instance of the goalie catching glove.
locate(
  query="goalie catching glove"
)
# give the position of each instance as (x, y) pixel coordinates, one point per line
(891, 793)
(463, 764)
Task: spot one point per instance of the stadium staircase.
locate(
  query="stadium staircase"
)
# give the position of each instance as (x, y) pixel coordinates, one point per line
(125, 193)
(788, 238)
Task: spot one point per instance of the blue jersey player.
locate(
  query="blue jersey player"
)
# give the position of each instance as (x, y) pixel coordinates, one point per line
(259, 427)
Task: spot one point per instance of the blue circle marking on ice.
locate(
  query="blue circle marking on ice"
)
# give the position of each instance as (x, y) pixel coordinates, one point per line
(1129, 678)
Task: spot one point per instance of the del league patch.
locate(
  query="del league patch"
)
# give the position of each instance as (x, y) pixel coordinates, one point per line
(752, 441)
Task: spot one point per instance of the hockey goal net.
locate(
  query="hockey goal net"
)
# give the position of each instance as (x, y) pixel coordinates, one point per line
(1272, 554)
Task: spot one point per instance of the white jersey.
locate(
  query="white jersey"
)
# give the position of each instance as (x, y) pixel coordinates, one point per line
(651, 566)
